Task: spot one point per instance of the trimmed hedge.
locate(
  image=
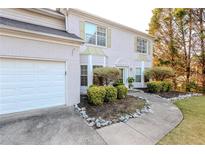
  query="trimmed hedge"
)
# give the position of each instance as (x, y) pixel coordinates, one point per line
(111, 94)
(96, 94)
(121, 91)
(154, 86)
(159, 86)
(166, 86)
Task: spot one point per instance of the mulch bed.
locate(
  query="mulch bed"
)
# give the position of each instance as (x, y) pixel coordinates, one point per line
(170, 94)
(112, 111)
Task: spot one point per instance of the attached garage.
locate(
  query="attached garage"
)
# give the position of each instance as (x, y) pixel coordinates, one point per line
(39, 67)
(31, 84)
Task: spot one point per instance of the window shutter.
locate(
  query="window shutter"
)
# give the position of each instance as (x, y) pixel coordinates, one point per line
(82, 29)
(109, 38)
(135, 44)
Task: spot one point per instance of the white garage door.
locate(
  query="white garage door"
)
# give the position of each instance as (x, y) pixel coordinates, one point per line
(30, 84)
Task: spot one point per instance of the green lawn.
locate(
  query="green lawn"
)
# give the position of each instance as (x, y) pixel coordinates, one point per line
(192, 129)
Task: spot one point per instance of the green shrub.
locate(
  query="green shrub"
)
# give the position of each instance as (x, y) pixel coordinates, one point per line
(159, 86)
(154, 86)
(96, 94)
(105, 75)
(191, 86)
(130, 81)
(121, 91)
(111, 94)
(166, 86)
(159, 73)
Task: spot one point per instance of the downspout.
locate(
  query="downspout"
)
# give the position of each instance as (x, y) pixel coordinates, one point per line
(64, 11)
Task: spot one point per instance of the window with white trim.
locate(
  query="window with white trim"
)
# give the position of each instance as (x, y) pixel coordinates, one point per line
(142, 45)
(95, 35)
(84, 75)
(138, 75)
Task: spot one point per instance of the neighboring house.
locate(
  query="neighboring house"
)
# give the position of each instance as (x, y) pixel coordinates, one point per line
(47, 56)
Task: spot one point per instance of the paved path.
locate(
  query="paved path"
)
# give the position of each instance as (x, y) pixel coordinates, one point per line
(148, 129)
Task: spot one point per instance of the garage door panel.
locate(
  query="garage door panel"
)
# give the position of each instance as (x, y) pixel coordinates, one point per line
(31, 84)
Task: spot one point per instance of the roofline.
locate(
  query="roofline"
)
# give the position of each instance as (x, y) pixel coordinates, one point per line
(51, 13)
(101, 19)
(41, 33)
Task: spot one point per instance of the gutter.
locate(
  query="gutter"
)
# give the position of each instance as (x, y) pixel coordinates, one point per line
(78, 41)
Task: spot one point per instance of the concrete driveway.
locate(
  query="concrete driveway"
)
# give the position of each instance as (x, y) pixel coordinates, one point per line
(49, 126)
(63, 126)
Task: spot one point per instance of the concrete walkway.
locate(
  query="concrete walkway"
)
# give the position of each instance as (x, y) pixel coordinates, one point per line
(148, 129)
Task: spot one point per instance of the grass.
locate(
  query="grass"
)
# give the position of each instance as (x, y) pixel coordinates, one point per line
(192, 129)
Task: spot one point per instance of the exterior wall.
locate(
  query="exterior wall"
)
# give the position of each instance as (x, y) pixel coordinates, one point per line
(13, 47)
(33, 17)
(121, 53)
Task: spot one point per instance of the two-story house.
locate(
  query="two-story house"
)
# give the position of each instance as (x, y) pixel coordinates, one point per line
(47, 57)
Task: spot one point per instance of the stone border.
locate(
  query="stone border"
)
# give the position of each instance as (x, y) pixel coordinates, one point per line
(99, 122)
(173, 99)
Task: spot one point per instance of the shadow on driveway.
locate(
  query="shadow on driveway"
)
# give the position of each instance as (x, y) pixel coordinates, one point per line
(60, 125)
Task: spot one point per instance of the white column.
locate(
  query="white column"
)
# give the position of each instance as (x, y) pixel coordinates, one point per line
(142, 73)
(90, 70)
(104, 63)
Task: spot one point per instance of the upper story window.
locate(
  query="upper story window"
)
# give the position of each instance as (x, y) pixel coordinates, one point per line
(142, 45)
(95, 35)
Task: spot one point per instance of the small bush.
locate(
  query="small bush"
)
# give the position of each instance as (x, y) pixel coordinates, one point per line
(154, 86)
(130, 81)
(191, 86)
(96, 94)
(121, 91)
(166, 86)
(111, 94)
(159, 86)
(105, 75)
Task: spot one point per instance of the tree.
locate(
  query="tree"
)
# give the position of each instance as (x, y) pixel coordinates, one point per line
(199, 48)
(180, 43)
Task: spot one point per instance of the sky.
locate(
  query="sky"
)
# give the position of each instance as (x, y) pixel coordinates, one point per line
(135, 18)
(132, 13)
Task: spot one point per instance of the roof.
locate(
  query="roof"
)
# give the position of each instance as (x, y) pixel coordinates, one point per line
(101, 19)
(36, 28)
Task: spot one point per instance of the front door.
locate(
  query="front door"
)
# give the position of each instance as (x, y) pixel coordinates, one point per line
(123, 74)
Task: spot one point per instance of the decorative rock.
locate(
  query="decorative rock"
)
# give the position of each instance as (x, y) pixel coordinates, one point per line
(98, 124)
(109, 122)
(90, 119)
(91, 124)
(122, 118)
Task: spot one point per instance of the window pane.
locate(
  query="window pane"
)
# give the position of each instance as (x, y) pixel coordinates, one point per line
(141, 45)
(90, 33)
(84, 70)
(84, 78)
(101, 40)
(101, 36)
(138, 75)
(138, 78)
